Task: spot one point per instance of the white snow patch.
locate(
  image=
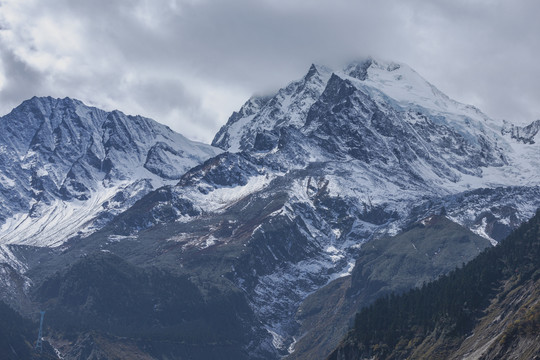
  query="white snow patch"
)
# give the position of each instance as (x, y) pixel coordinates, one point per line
(6, 182)
(277, 340)
(118, 238)
(481, 231)
(221, 198)
(335, 253)
(57, 352)
(42, 172)
(209, 241)
(349, 270)
(57, 222)
(235, 133)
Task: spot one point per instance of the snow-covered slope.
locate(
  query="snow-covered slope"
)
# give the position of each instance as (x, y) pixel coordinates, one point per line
(66, 168)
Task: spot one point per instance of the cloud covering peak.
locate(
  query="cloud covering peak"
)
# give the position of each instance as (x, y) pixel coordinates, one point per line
(190, 63)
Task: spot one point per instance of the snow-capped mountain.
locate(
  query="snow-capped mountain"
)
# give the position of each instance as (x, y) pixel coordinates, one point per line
(327, 163)
(307, 176)
(67, 169)
(386, 115)
(388, 130)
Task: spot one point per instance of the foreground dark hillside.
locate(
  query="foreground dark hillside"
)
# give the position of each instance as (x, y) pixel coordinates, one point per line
(103, 307)
(488, 309)
(18, 336)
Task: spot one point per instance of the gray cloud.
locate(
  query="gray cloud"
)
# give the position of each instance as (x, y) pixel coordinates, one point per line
(191, 63)
(19, 79)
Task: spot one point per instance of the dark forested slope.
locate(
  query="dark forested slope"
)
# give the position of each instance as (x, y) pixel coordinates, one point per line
(103, 307)
(487, 309)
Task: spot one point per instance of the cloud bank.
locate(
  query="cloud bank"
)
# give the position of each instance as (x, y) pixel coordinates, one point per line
(190, 63)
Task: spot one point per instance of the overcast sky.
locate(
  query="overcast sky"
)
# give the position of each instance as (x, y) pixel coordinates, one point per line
(191, 63)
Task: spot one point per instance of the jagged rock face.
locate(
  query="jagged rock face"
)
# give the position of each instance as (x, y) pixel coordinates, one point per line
(260, 114)
(62, 153)
(347, 122)
(524, 134)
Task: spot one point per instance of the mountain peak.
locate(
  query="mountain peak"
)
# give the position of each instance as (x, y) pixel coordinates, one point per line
(317, 70)
(62, 151)
(312, 71)
(51, 101)
(358, 69)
